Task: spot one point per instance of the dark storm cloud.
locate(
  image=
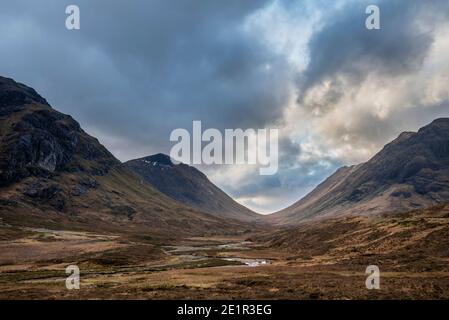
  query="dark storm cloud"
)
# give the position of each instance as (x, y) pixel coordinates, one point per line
(142, 69)
(346, 47)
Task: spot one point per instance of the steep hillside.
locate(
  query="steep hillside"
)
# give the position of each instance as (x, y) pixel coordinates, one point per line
(188, 185)
(409, 173)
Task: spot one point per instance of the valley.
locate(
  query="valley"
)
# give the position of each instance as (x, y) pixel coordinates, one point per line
(314, 261)
(152, 229)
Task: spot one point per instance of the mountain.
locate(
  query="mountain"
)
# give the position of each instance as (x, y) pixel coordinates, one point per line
(188, 185)
(409, 173)
(36, 140)
(54, 175)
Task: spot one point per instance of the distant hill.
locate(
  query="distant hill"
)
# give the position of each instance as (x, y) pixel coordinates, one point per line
(409, 173)
(188, 185)
(55, 175)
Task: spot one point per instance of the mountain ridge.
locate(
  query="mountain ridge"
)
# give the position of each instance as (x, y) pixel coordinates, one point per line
(410, 172)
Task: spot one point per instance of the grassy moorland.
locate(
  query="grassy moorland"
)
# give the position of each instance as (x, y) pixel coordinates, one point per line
(316, 260)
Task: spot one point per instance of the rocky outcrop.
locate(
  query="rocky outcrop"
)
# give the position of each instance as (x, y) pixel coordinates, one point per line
(36, 140)
(13, 95)
(48, 194)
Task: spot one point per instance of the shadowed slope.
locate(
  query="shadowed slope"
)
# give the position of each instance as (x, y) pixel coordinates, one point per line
(410, 172)
(190, 186)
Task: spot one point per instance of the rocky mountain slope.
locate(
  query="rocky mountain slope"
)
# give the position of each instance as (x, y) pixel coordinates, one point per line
(188, 185)
(36, 140)
(53, 174)
(409, 173)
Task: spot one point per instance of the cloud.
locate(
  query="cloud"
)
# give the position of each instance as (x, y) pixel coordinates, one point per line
(363, 87)
(142, 69)
(358, 91)
(344, 46)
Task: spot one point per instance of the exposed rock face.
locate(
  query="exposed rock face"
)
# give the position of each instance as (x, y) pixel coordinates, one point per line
(188, 185)
(420, 160)
(36, 140)
(84, 186)
(50, 194)
(13, 95)
(410, 172)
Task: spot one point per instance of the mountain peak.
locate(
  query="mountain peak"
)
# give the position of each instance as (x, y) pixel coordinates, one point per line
(437, 124)
(13, 94)
(439, 121)
(188, 185)
(159, 159)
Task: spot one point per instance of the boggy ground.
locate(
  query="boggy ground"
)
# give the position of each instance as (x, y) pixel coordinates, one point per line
(317, 261)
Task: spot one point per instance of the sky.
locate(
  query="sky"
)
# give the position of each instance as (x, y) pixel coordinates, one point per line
(336, 91)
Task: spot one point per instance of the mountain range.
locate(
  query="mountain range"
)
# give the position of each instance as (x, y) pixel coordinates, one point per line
(53, 173)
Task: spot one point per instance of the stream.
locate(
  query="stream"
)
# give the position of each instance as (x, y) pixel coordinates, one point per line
(197, 253)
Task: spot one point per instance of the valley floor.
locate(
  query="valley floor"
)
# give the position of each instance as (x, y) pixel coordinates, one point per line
(122, 267)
